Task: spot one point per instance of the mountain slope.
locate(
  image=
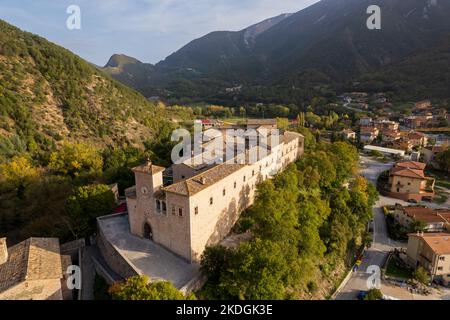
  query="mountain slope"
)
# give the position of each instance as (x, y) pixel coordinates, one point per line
(423, 74)
(329, 39)
(48, 94)
(128, 70)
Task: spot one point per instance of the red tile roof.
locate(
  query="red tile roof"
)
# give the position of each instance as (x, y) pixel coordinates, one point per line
(407, 172)
(411, 165)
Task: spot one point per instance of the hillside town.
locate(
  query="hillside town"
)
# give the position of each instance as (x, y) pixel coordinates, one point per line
(300, 153)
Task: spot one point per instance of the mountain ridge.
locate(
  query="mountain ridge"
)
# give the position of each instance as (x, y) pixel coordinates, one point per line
(329, 39)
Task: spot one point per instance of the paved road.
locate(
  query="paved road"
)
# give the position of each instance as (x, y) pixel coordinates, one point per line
(377, 254)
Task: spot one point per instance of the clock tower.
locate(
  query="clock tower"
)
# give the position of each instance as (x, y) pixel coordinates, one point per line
(149, 180)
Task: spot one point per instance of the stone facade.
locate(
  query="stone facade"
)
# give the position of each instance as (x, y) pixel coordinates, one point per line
(200, 210)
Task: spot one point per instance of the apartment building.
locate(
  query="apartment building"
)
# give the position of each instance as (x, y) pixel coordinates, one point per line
(203, 203)
(432, 252)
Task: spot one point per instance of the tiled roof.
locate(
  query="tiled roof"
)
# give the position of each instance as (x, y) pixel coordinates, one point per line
(407, 172)
(438, 242)
(415, 135)
(203, 180)
(148, 168)
(411, 165)
(426, 214)
(32, 259)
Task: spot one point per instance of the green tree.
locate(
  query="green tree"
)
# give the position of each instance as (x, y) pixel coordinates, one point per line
(422, 276)
(75, 159)
(88, 203)
(282, 123)
(374, 294)
(18, 174)
(139, 288)
(443, 160)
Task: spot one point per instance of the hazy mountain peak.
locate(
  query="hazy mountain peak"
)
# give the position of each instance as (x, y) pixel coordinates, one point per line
(119, 60)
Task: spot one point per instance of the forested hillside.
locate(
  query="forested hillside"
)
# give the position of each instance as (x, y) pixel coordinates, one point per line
(307, 230)
(48, 94)
(66, 132)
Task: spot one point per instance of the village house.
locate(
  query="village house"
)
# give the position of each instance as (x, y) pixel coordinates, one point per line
(417, 139)
(386, 125)
(33, 269)
(434, 220)
(365, 121)
(348, 134)
(432, 252)
(407, 181)
(402, 144)
(367, 134)
(422, 105)
(390, 136)
(430, 154)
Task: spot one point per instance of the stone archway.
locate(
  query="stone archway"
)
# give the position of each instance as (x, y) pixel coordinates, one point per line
(148, 232)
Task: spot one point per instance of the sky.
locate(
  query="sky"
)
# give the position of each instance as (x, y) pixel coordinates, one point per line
(148, 30)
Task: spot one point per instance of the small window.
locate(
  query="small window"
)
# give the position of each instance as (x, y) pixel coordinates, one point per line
(253, 172)
(224, 192)
(158, 206)
(183, 177)
(244, 179)
(180, 212)
(235, 184)
(442, 258)
(260, 168)
(440, 268)
(211, 201)
(196, 210)
(164, 208)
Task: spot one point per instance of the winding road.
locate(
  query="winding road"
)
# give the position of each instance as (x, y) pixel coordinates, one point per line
(382, 245)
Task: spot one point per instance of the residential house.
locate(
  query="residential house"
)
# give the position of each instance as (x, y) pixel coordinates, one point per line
(417, 139)
(365, 121)
(407, 181)
(422, 105)
(432, 252)
(434, 220)
(348, 134)
(390, 136)
(430, 154)
(367, 134)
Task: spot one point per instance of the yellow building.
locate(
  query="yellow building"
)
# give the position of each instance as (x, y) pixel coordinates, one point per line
(432, 252)
(407, 181)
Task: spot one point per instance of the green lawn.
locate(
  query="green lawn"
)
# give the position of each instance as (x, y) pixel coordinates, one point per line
(396, 269)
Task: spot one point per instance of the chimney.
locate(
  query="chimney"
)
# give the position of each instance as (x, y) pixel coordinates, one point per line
(203, 180)
(3, 251)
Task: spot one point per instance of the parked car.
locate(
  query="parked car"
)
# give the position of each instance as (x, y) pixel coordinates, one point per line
(362, 295)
